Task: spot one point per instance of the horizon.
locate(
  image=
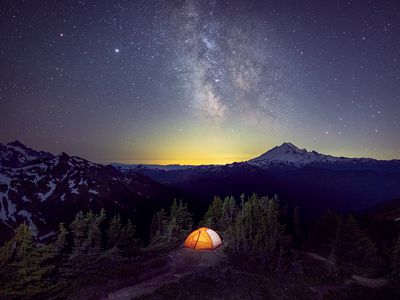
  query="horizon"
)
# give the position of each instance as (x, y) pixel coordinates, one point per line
(163, 163)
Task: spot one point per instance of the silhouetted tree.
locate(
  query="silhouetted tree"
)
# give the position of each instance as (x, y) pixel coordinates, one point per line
(180, 223)
(61, 242)
(94, 236)
(353, 248)
(25, 267)
(129, 244)
(85, 256)
(79, 230)
(167, 231)
(213, 216)
(158, 230)
(256, 228)
(229, 210)
(114, 232)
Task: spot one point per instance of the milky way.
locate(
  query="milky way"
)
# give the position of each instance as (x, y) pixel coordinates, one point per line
(228, 70)
(201, 81)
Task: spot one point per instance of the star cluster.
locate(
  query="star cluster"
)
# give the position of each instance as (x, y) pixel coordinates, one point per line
(200, 81)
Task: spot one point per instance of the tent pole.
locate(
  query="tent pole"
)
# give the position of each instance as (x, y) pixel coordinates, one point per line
(197, 240)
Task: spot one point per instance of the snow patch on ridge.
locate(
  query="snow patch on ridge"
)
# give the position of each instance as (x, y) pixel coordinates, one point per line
(93, 192)
(44, 197)
(47, 235)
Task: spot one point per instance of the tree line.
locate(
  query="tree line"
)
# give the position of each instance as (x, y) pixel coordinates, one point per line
(259, 230)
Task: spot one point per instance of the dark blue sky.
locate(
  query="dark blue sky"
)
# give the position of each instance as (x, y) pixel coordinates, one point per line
(200, 81)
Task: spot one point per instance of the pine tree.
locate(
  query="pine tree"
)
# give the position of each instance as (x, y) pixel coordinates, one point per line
(184, 218)
(228, 214)
(174, 209)
(213, 216)
(114, 232)
(7, 269)
(83, 261)
(94, 236)
(168, 231)
(228, 211)
(231, 208)
(27, 264)
(274, 229)
(79, 230)
(256, 228)
(158, 223)
(354, 249)
(180, 223)
(173, 232)
(61, 243)
(129, 244)
(158, 230)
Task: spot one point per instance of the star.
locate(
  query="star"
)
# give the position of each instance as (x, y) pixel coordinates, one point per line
(116, 50)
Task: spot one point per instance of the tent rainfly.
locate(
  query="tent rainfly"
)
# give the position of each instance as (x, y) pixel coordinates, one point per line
(203, 239)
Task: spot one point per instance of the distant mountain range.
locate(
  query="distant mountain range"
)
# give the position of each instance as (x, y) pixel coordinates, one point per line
(314, 181)
(43, 189)
(285, 155)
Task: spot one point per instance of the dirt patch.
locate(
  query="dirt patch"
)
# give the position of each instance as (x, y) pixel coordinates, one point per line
(181, 262)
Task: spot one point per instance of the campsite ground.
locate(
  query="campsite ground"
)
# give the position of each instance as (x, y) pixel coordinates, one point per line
(181, 263)
(186, 274)
(153, 273)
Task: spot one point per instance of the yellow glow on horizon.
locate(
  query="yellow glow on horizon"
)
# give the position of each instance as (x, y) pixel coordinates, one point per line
(213, 144)
(205, 147)
(211, 160)
(197, 146)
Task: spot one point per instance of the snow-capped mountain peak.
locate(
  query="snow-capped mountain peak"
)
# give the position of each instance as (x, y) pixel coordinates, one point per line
(16, 154)
(285, 149)
(287, 153)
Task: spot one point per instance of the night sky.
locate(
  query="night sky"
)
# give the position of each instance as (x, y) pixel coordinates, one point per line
(200, 81)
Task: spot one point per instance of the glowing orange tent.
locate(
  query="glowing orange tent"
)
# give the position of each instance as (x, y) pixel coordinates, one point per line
(203, 239)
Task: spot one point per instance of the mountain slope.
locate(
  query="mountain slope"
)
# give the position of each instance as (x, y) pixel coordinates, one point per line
(44, 189)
